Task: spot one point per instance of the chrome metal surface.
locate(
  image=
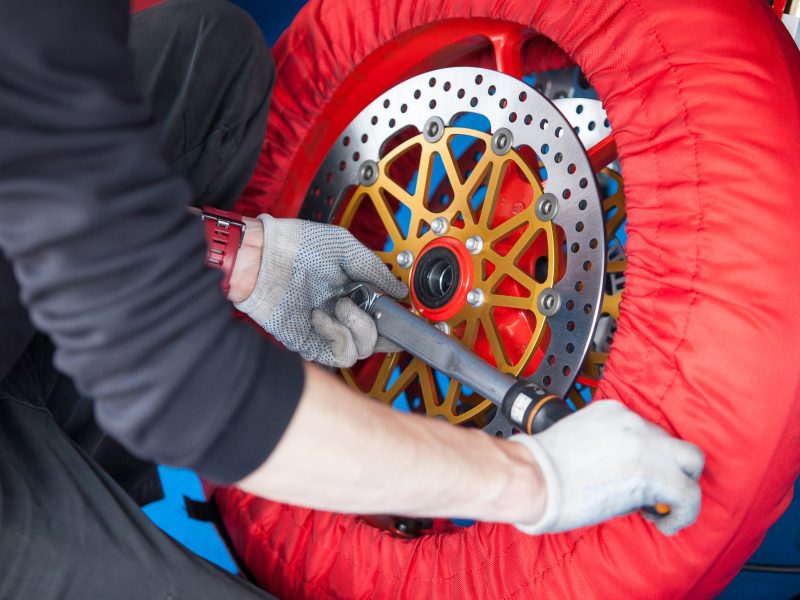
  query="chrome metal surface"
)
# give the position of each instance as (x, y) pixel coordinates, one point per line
(474, 244)
(549, 302)
(532, 121)
(546, 207)
(433, 130)
(475, 297)
(405, 259)
(368, 173)
(439, 226)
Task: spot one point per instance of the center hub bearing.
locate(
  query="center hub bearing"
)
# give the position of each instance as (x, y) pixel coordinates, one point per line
(441, 279)
(476, 191)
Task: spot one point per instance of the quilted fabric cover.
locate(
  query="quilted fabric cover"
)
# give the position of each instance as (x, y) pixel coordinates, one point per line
(703, 98)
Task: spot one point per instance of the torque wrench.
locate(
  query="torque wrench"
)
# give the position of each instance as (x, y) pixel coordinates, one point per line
(525, 404)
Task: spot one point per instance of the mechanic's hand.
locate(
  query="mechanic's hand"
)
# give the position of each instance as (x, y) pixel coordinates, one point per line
(305, 267)
(605, 461)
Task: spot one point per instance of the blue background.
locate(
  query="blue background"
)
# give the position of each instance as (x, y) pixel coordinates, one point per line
(782, 544)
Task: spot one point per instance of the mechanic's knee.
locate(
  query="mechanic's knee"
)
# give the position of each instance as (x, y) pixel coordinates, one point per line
(211, 28)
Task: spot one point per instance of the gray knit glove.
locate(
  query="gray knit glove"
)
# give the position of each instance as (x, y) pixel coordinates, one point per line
(305, 267)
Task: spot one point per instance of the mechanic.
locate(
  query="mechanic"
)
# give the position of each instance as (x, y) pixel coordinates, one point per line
(111, 268)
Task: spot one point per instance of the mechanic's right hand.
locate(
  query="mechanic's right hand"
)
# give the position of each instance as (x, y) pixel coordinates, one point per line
(305, 267)
(605, 461)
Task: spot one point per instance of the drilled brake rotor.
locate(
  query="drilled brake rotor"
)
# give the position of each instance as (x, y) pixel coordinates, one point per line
(478, 193)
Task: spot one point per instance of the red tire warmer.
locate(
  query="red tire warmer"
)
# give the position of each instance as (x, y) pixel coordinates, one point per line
(703, 98)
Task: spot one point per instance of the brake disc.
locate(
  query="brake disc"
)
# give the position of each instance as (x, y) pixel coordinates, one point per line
(507, 213)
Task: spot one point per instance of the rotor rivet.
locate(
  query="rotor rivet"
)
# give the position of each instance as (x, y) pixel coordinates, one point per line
(405, 259)
(433, 129)
(502, 141)
(475, 297)
(443, 326)
(368, 172)
(549, 302)
(439, 226)
(474, 244)
(546, 207)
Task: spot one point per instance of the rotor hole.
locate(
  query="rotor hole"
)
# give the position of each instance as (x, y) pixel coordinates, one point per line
(392, 123)
(479, 79)
(374, 120)
(342, 165)
(593, 243)
(545, 148)
(356, 156)
(551, 360)
(491, 90)
(579, 226)
(570, 304)
(364, 138)
(576, 247)
(566, 371)
(566, 194)
(570, 325)
(607, 123)
(432, 104)
(523, 96)
(346, 140)
(592, 125)
(558, 157)
(579, 287)
(582, 205)
(503, 103)
(587, 309)
(432, 82)
(316, 191)
(577, 129)
(587, 265)
(403, 108)
(329, 201)
(474, 102)
(328, 177)
(528, 119)
(570, 348)
(579, 109)
(583, 182)
(447, 86)
(544, 124)
(461, 93)
(547, 380)
(559, 132)
(318, 215)
(571, 168)
(512, 117)
(417, 94)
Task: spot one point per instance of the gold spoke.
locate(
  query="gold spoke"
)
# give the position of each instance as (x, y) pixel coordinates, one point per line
(427, 383)
(386, 217)
(498, 351)
(451, 399)
(503, 301)
(492, 191)
(450, 166)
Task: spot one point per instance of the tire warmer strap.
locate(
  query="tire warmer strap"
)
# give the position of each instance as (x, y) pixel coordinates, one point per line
(206, 511)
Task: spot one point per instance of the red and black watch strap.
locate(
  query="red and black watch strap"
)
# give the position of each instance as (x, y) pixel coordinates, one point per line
(224, 234)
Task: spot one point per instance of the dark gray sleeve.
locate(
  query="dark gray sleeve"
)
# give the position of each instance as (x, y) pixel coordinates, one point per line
(110, 264)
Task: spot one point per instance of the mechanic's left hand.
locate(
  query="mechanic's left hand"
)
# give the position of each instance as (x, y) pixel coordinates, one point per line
(304, 269)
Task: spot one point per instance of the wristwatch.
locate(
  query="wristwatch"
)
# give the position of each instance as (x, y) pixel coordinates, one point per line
(224, 234)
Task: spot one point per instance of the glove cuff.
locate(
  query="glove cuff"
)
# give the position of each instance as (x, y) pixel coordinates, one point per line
(281, 243)
(552, 483)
